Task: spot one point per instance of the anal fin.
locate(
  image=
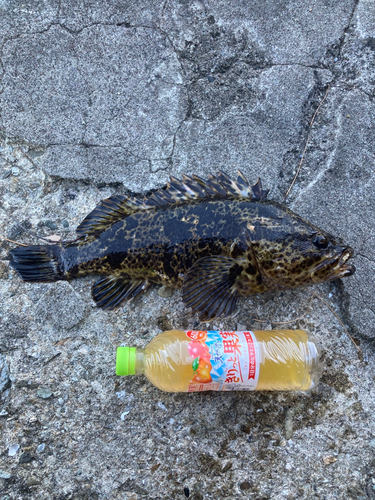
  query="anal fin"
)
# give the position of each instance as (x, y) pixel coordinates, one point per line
(209, 286)
(109, 292)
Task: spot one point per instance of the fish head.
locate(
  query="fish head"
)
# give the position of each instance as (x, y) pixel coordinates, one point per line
(302, 256)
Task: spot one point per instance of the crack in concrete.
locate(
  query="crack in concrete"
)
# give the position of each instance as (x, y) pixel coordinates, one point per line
(327, 166)
(185, 120)
(365, 257)
(165, 34)
(272, 65)
(347, 27)
(321, 172)
(86, 180)
(343, 304)
(266, 67)
(334, 85)
(88, 145)
(163, 9)
(79, 31)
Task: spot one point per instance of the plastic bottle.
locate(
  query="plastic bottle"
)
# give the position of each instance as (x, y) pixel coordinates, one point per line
(179, 361)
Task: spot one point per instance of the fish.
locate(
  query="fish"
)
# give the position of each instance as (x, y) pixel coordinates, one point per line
(216, 239)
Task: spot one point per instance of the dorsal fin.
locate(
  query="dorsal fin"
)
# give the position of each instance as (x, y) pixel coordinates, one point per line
(257, 192)
(118, 207)
(110, 211)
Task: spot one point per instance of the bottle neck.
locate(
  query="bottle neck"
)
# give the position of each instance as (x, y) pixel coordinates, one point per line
(140, 361)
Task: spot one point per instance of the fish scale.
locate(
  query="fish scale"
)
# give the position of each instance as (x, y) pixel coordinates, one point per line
(216, 239)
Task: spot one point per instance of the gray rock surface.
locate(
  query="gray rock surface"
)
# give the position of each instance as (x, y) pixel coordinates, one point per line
(98, 98)
(61, 307)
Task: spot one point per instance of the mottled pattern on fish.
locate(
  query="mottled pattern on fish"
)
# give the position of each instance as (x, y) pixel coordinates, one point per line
(216, 239)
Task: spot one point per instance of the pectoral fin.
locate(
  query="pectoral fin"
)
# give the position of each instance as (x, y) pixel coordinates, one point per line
(110, 291)
(209, 286)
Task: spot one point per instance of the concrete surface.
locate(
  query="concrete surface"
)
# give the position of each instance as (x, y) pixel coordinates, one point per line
(109, 97)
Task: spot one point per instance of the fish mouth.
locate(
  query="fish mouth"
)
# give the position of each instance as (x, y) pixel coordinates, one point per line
(338, 266)
(342, 269)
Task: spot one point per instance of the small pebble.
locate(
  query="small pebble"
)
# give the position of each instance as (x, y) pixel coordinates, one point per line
(372, 443)
(15, 171)
(65, 223)
(4, 374)
(25, 458)
(13, 448)
(40, 448)
(245, 486)
(123, 415)
(329, 459)
(5, 475)
(44, 393)
(121, 395)
(32, 481)
(160, 405)
(50, 224)
(54, 238)
(6, 174)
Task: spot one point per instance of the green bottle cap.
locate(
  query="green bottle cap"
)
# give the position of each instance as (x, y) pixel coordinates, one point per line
(125, 360)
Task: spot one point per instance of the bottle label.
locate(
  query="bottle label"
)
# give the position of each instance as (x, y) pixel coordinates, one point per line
(223, 361)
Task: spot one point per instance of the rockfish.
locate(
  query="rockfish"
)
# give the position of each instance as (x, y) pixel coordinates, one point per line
(216, 239)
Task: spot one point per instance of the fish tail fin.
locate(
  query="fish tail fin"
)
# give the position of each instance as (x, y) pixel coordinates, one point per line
(39, 263)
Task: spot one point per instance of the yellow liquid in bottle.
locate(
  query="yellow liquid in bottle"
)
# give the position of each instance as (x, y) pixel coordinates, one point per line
(168, 364)
(288, 360)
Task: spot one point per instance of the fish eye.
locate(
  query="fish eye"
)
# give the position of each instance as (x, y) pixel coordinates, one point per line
(320, 241)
